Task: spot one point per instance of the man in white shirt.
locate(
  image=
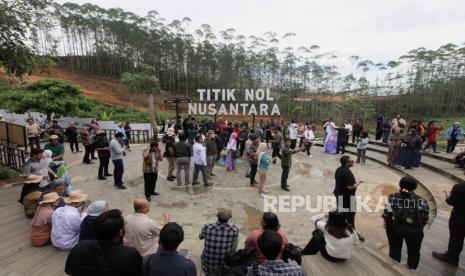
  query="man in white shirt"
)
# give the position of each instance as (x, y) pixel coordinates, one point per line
(117, 152)
(309, 137)
(142, 232)
(200, 161)
(349, 128)
(293, 133)
(66, 221)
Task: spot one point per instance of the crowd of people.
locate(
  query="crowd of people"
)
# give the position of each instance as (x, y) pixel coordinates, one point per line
(103, 242)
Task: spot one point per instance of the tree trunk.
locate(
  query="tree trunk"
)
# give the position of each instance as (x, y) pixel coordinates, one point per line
(153, 121)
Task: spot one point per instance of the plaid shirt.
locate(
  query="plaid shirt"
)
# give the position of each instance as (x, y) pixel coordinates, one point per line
(276, 268)
(220, 240)
(400, 199)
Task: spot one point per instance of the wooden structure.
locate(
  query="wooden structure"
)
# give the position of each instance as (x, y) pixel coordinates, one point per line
(13, 144)
(138, 136)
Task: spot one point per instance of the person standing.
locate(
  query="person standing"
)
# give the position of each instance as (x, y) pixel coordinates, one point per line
(345, 189)
(86, 140)
(253, 157)
(453, 134)
(386, 130)
(127, 131)
(362, 145)
(358, 127)
(33, 134)
(331, 140)
(102, 147)
(211, 149)
(264, 162)
(432, 132)
(456, 199)
(341, 139)
(220, 240)
(410, 152)
(71, 134)
(398, 121)
(379, 127)
(246, 150)
(200, 161)
(405, 216)
(55, 129)
(286, 162)
(293, 128)
(243, 136)
(349, 128)
(117, 151)
(395, 141)
(151, 156)
(276, 144)
(308, 137)
(169, 153)
(231, 149)
(182, 153)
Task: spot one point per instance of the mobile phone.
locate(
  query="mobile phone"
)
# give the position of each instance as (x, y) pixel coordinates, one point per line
(183, 252)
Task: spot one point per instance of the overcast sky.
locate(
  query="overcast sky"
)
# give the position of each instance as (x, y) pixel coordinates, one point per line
(380, 30)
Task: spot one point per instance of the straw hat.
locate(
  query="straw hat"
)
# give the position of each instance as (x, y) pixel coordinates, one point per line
(53, 136)
(76, 196)
(33, 179)
(49, 198)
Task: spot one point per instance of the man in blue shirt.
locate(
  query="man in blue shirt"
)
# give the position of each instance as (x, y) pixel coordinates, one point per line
(167, 261)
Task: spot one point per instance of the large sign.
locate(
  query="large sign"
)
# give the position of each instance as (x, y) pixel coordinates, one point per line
(258, 102)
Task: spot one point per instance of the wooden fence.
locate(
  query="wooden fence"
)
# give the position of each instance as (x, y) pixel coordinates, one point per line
(138, 136)
(12, 156)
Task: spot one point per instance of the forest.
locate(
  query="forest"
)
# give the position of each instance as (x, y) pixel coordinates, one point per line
(111, 42)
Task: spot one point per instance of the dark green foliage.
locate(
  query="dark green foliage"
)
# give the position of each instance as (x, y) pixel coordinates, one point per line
(6, 172)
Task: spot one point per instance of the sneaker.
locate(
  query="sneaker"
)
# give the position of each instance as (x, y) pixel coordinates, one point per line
(121, 187)
(265, 191)
(444, 257)
(285, 189)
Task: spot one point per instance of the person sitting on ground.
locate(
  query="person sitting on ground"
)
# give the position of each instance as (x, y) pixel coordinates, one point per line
(41, 224)
(66, 221)
(460, 160)
(141, 231)
(167, 261)
(107, 255)
(269, 221)
(58, 186)
(333, 238)
(270, 244)
(220, 240)
(405, 216)
(94, 210)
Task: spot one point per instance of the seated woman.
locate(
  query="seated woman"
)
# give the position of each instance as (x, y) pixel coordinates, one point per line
(333, 238)
(41, 224)
(94, 210)
(269, 221)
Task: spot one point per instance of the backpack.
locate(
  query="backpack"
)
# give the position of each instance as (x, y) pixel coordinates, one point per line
(30, 202)
(293, 253)
(406, 216)
(236, 264)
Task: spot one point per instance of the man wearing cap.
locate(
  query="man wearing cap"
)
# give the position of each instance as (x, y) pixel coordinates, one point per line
(211, 149)
(66, 221)
(167, 261)
(102, 147)
(117, 151)
(41, 224)
(151, 156)
(55, 129)
(169, 153)
(220, 240)
(33, 133)
(142, 232)
(58, 151)
(200, 161)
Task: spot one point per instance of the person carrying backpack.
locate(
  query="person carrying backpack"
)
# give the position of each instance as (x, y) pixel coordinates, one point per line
(405, 216)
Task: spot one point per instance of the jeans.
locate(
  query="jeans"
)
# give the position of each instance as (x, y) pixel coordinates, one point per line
(103, 166)
(200, 168)
(150, 182)
(182, 163)
(285, 176)
(361, 156)
(210, 164)
(118, 171)
(170, 166)
(34, 141)
(253, 173)
(413, 247)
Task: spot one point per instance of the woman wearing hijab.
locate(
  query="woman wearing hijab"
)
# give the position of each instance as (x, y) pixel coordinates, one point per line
(264, 162)
(231, 150)
(41, 224)
(94, 210)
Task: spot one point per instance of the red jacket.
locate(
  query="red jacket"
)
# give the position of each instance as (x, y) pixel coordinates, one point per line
(433, 132)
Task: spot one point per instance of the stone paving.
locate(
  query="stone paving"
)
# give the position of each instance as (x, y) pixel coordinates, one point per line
(192, 207)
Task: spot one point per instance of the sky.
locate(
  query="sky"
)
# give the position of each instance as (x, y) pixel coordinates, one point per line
(379, 30)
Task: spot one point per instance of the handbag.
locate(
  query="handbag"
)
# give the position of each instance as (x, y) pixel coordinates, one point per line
(293, 253)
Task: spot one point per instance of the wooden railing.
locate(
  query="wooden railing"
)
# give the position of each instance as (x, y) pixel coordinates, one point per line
(138, 136)
(12, 156)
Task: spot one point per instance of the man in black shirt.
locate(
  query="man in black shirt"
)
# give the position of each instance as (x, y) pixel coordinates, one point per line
(103, 151)
(345, 189)
(169, 154)
(456, 199)
(107, 255)
(342, 133)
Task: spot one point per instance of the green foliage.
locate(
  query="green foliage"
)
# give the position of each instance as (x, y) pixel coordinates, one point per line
(349, 110)
(17, 25)
(143, 82)
(297, 112)
(44, 63)
(6, 172)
